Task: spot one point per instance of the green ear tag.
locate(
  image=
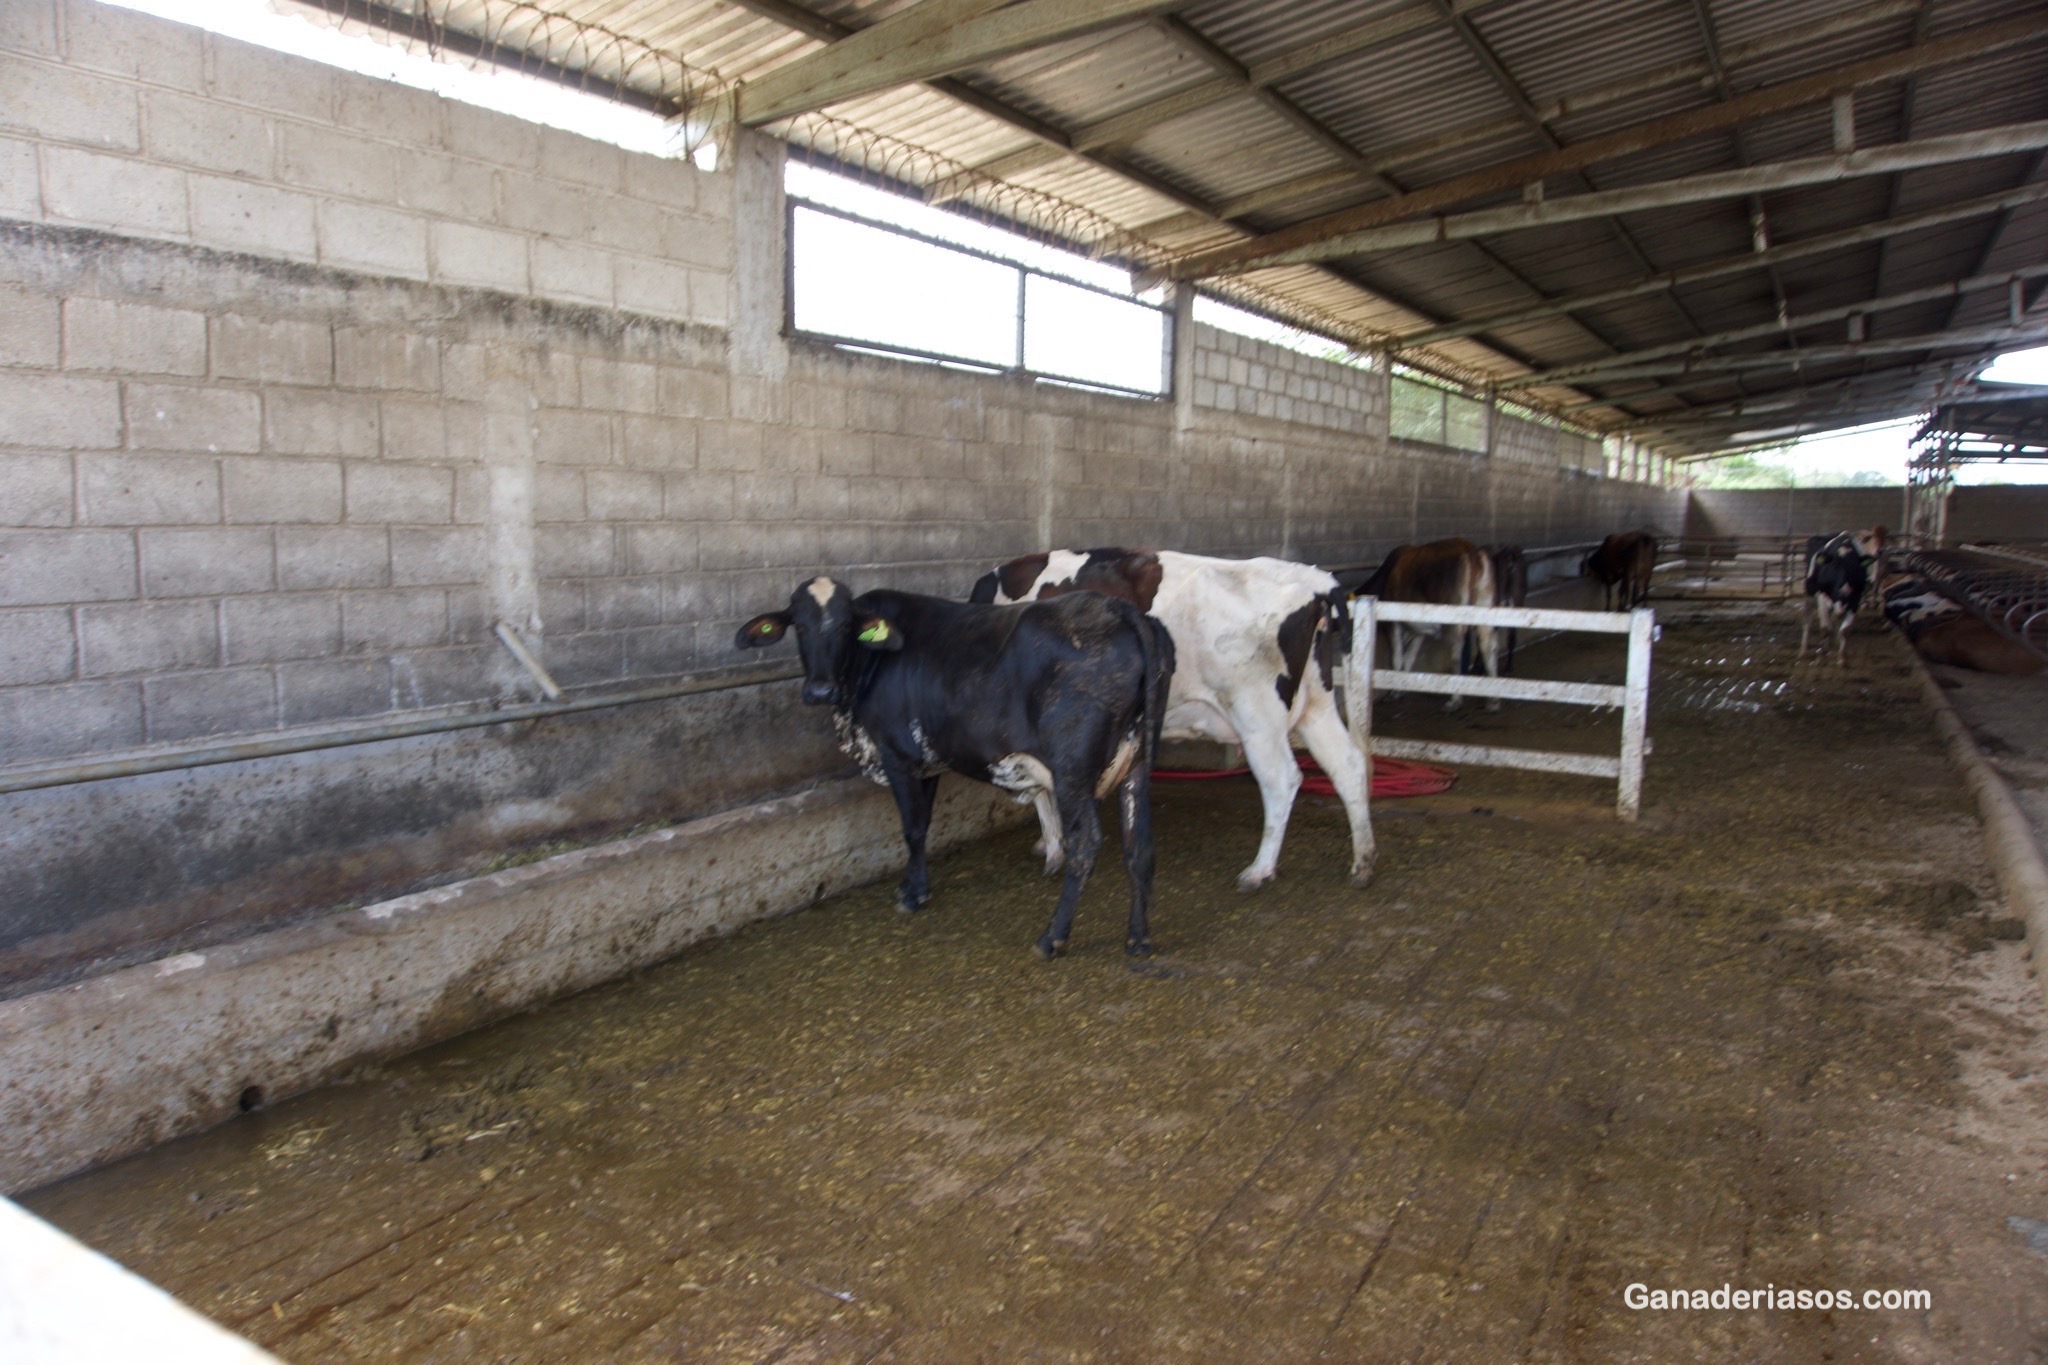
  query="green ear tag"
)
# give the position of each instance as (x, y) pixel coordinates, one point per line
(765, 628)
(875, 633)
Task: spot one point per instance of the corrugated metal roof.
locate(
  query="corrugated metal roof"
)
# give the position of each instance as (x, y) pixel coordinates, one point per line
(1364, 99)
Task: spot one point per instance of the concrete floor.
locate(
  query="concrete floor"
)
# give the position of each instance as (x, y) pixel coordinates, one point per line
(1773, 1035)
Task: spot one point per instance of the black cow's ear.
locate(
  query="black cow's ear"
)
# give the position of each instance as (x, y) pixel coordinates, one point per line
(878, 633)
(985, 587)
(764, 629)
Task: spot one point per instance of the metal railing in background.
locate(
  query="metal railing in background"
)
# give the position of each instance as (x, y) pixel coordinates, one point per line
(1633, 696)
(2007, 586)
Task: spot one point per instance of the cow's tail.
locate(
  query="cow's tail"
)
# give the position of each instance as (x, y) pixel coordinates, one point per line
(1155, 648)
(1344, 633)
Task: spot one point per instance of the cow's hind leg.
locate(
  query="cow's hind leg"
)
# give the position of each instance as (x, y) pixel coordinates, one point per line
(1263, 732)
(1030, 780)
(1084, 840)
(1322, 730)
(1134, 819)
(1842, 637)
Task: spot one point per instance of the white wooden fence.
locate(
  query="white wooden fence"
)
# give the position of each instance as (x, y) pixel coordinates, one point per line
(1633, 696)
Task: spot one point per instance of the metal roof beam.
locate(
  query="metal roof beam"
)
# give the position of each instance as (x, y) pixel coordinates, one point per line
(1304, 240)
(931, 39)
(1732, 265)
(1593, 369)
(1987, 340)
(1946, 371)
(1777, 175)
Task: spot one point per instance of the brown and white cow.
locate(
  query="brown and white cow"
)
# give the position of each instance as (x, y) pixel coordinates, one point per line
(1452, 572)
(1944, 632)
(1257, 642)
(1623, 564)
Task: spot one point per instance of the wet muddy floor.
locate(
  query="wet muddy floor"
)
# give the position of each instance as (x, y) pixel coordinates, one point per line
(1778, 1034)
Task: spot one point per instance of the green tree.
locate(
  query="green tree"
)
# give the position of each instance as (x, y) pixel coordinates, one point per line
(1754, 470)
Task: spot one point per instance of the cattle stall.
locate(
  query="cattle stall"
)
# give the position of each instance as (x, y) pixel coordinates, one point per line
(1775, 1031)
(440, 925)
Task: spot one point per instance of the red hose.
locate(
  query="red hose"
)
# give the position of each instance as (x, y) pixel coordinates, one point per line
(1391, 777)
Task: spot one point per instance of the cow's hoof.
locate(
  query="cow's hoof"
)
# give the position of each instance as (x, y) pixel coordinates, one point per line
(1049, 947)
(1361, 878)
(1493, 703)
(1137, 947)
(1249, 882)
(910, 905)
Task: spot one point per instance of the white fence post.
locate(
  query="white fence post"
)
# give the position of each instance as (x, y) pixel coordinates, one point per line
(1635, 711)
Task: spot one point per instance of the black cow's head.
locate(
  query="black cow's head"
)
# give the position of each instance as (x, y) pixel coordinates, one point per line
(828, 637)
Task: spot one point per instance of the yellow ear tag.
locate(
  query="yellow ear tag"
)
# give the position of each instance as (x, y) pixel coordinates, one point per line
(875, 633)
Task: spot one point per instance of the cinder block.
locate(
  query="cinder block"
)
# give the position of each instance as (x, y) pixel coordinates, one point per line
(579, 550)
(445, 186)
(333, 689)
(207, 134)
(581, 161)
(702, 243)
(624, 495)
(401, 493)
(732, 445)
(451, 556)
(35, 490)
(366, 359)
(656, 288)
(789, 450)
(657, 442)
(701, 597)
(21, 190)
(143, 637)
(380, 241)
(180, 417)
(336, 162)
(618, 385)
(281, 490)
(194, 705)
(710, 298)
(36, 646)
(698, 497)
(479, 256)
(558, 495)
(148, 490)
(207, 563)
(115, 192)
(469, 614)
(417, 428)
(64, 105)
(714, 192)
(546, 208)
(694, 393)
(661, 548)
(84, 718)
(565, 271)
(282, 352)
(763, 497)
(487, 135)
(240, 216)
(320, 422)
(446, 677)
(29, 26)
(618, 603)
(591, 657)
(277, 627)
(628, 225)
(333, 557)
(670, 181)
(562, 436)
(43, 568)
(100, 334)
(661, 651)
(397, 618)
(472, 496)
(124, 43)
(396, 111)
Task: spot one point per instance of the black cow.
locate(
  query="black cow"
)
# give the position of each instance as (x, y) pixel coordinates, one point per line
(1057, 702)
(1835, 581)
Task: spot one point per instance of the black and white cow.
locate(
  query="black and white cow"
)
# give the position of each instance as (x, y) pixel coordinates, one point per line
(1058, 703)
(1944, 632)
(1257, 642)
(1835, 582)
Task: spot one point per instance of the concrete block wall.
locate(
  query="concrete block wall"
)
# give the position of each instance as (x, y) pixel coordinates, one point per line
(1975, 512)
(306, 380)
